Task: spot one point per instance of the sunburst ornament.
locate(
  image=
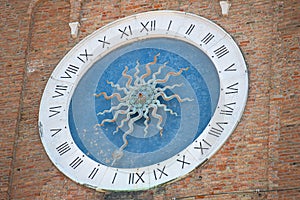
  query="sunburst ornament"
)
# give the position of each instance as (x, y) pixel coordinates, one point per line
(141, 98)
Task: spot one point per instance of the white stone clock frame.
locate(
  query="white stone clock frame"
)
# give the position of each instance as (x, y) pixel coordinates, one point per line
(190, 28)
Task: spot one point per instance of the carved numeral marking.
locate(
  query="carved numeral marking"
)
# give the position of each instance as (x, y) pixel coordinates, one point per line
(207, 38)
(190, 29)
(160, 173)
(93, 173)
(183, 162)
(85, 55)
(131, 178)
(203, 146)
(228, 109)
(104, 42)
(70, 69)
(113, 181)
(59, 90)
(54, 110)
(221, 51)
(217, 131)
(75, 163)
(126, 31)
(169, 26)
(139, 178)
(55, 131)
(230, 68)
(151, 27)
(232, 89)
(63, 148)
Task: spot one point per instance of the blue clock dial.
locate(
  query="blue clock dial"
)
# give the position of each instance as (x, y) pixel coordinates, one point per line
(123, 115)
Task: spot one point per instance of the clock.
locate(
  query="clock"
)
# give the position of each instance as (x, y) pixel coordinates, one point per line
(143, 101)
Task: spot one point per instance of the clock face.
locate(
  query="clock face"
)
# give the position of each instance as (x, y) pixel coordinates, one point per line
(143, 101)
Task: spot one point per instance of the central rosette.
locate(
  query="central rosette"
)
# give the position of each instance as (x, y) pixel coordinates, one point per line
(141, 97)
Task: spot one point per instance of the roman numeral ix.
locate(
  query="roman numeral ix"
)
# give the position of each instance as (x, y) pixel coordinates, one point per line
(85, 55)
(203, 145)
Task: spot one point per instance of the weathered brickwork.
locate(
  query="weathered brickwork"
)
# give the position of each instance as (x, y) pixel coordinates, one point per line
(261, 160)
(14, 31)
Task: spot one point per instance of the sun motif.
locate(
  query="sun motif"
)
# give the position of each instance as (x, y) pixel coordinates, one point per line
(140, 101)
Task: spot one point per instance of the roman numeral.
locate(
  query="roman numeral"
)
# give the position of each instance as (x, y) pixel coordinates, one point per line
(85, 55)
(221, 51)
(104, 42)
(217, 131)
(169, 26)
(126, 31)
(131, 178)
(203, 146)
(207, 38)
(190, 29)
(151, 27)
(55, 131)
(230, 68)
(93, 173)
(113, 181)
(183, 162)
(59, 89)
(228, 109)
(71, 69)
(232, 89)
(139, 178)
(54, 110)
(160, 173)
(75, 163)
(63, 148)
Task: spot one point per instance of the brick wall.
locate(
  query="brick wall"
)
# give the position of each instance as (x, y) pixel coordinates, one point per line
(14, 32)
(259, 161)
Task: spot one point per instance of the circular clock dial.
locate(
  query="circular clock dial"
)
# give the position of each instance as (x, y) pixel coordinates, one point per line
(143, 100)
(181, 125)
